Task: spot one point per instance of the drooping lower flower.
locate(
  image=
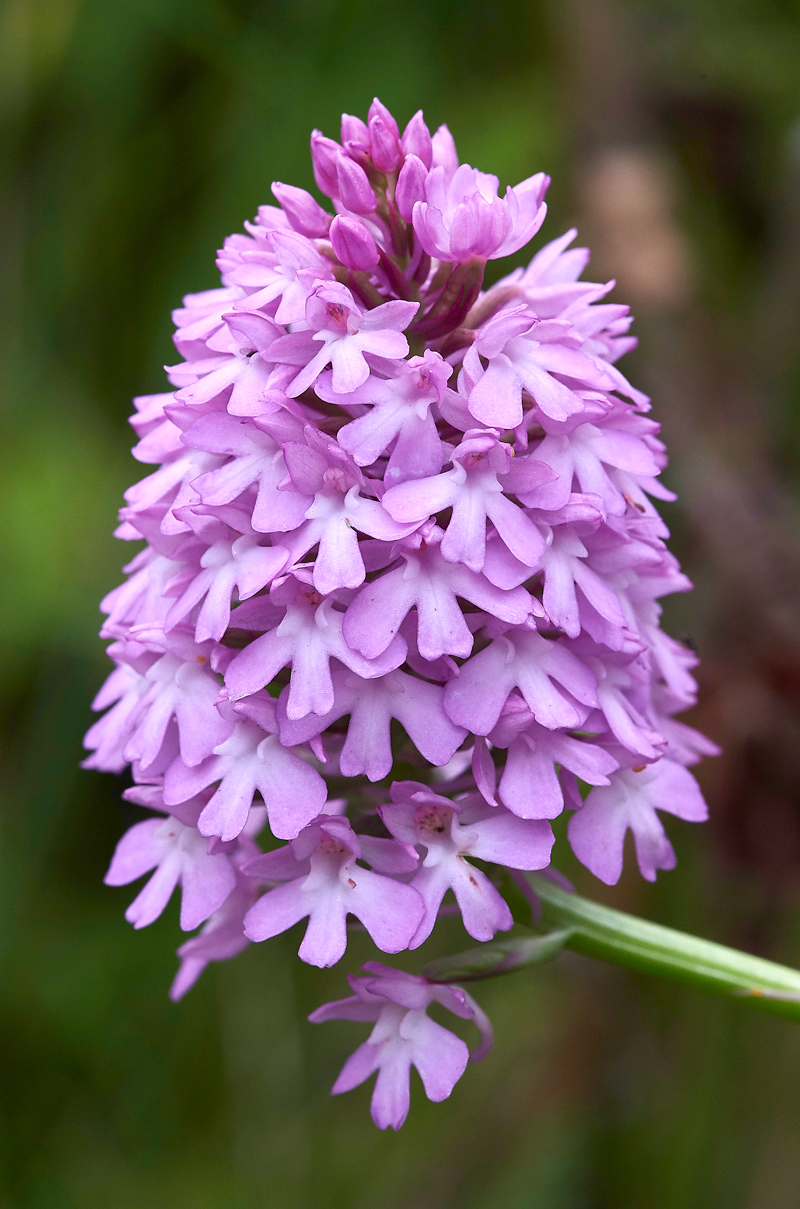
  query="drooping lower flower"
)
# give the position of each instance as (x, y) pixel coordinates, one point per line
(404, 1036)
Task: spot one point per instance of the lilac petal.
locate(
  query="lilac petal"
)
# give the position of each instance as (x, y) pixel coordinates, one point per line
(496, 399)
(597, 831)
(431, 585)
(392, 1095)
(387, 856)
(372, 705)
(675, 790)
(292, 791)
(351, 1008)
(390, 345)
(439, 1056)
(484, 771)
(419, 498)
(280, 865)
(359, 1066)
(518, 532)
(374, 617)
(325, 939)
(258, 663)
(653, 849)
(339, 563)
(431, 883)
(350, 369)
(395, 315)
(417, 706)
(307, 639)
(484, 1026)
(151, 901)
(529, 785)
(517, 843)
(465, 539)
(310, 372)
(276, 911)
(136, 853)
(555, 399)
(390, 911)
(206, 883)
(477, 695)
(417, 453)
(484, 911)
(306, 467)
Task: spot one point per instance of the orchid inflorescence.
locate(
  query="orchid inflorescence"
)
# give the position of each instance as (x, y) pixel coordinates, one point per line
(400, 526)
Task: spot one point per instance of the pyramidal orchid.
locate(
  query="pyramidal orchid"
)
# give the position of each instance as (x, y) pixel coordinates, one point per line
(395, 521)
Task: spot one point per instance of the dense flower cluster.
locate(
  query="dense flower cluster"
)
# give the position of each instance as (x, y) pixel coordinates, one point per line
(397, 520)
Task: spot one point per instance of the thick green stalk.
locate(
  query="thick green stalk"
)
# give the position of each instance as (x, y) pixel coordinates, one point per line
(638, 944)
(587, 927)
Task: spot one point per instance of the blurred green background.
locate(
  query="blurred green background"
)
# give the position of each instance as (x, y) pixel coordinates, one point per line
(136, 135)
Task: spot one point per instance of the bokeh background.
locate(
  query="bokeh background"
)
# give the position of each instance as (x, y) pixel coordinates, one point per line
(135, 136)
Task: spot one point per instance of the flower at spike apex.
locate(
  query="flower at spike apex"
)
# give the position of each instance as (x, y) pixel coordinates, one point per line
(395, 520)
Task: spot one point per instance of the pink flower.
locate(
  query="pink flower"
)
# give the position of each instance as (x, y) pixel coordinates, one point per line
(321, 880)
(372, 705)
(462, 217)
(249, 761)
(474, 492)
(524, 352)
(179, 855)
(404, 1036)
(429, 585)
(450, 832)
(308, 638)
(338, 511)
(401, 414)
(357, 568)
(241, 362)
(597, 831)
(535, 665)
(346, 334)
(221, 938)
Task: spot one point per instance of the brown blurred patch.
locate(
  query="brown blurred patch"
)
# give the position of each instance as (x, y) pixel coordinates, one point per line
(712, 378)
(628, 195)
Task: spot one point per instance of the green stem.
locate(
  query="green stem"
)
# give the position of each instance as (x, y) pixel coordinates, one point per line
(651, 948)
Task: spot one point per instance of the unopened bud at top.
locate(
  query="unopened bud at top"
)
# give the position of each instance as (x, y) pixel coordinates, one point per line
(353, 187)
(384, 145)
(378, 110)
(410, 186)
(444, 151)
(355, 139)
(324, 154)
(305, 215)
(353, 243)
(353, 130)
(416, 139)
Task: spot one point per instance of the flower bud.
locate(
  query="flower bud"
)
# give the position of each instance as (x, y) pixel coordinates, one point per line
(355, 139)
(352, 186)
(410, 186)
(416, 139)
(384, 145)
(444, 151)
(324, 153)
(305, 215)
(354, 130)
(353, 243)
(379, 110)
